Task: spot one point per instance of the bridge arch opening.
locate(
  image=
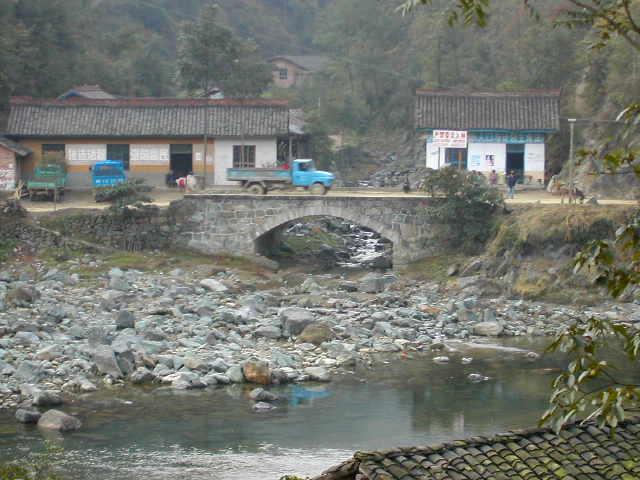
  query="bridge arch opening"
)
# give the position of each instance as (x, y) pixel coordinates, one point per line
(326, 242)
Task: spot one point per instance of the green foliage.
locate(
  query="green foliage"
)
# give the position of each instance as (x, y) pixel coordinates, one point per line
(36, 466)
(210, 56)
(465, 204)
(126, 194)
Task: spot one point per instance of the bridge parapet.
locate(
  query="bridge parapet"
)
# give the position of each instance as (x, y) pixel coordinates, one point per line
(234, 224)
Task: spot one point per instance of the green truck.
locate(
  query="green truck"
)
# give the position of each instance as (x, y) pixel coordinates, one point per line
(48, 182)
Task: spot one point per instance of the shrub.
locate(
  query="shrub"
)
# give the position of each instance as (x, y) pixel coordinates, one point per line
(465, 205)
(123, 195)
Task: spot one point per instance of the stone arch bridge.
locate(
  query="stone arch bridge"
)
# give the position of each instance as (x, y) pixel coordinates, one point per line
(240, 224)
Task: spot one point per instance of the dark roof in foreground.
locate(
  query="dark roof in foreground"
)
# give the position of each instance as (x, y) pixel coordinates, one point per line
(533, 110)
(146, 117)
(578, 452)
(15, 147)
(311, 63)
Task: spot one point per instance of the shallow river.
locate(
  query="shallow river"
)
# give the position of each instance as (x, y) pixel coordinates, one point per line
(214, 434)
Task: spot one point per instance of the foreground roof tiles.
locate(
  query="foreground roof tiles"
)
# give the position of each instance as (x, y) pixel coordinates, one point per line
(146, 117)
(579, 452)
(536, 110)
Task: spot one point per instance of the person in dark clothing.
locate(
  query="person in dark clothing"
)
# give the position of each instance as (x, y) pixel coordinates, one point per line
(512, 180)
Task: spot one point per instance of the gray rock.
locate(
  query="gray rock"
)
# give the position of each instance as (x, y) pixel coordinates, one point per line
(26, 338)
(262, 395)
(106, 362)
(24, 415)
(28, 371)
(477, 378)
(441, 359)
(488, 329)
(235, 374)
(140, 376)
(372, 283)
(22, 296)
(318, 374)
(125, 319)
(268, 331)
(294, 320)
(57, 420)
(46, 398)
(49, 353)
(119, 284)
(213, 285)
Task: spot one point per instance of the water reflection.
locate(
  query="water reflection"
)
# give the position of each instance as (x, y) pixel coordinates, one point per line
(216, 435)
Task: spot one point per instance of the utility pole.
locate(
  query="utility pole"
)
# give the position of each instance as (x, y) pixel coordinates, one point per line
(572, 123)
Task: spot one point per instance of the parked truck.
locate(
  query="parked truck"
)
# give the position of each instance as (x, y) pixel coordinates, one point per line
(106, 174)
(48, 182)
(258, 181)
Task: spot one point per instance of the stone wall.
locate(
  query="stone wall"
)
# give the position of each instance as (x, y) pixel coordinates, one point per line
(238, 224)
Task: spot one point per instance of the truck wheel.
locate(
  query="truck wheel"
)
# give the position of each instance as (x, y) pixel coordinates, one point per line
(318, 189)
(256, 189)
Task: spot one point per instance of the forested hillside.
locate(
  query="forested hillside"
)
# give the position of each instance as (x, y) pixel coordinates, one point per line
(378, 57)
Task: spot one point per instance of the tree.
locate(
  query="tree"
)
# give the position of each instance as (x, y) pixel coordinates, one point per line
(593, 387)
(210, 56)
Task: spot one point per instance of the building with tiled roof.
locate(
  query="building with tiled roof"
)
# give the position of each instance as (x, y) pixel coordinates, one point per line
(294, 70)
(94, 92)
(578, 452)
(485, 131)
(152, 136)
(12, 155)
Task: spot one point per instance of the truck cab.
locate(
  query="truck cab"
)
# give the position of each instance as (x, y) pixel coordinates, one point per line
(108, 173)
(304, 174)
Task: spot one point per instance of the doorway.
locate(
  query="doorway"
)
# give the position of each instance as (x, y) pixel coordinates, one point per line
(181, 162)
(456, 158)
(515, 159)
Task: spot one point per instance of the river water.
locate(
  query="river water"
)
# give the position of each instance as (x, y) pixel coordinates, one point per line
(214, 434)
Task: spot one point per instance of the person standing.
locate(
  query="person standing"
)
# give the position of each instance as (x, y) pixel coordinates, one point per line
(493, 178)
(512, 180)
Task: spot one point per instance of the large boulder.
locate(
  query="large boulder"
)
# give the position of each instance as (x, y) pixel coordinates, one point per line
(372, 283)
(318, 374)
(106, 362)
(294, 320)
(213, 285)
(57, 420)
(488, 329)
(46, 398)
(255, 371)
(125, 319)
(25, 415)
(268, 331)
(316, 333)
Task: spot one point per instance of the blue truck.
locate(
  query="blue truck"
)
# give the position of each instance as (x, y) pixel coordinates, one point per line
(258, 181)
(108, 173)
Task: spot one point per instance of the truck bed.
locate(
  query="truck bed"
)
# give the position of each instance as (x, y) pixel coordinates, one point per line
(259, 174)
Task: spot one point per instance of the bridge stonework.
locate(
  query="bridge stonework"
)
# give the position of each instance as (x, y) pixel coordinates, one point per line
(236, 224)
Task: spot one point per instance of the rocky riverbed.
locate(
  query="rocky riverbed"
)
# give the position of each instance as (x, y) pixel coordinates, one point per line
(64, 334)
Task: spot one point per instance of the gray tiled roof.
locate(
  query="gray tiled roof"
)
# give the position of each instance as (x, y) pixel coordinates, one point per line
(452, 110)
(311, 63)
(15, 147)
(578, 452)
(146, 118)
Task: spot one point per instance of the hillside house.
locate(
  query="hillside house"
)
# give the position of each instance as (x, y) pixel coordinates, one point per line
(485, 131)
(152, 136)
(12, 156)
(293, 70)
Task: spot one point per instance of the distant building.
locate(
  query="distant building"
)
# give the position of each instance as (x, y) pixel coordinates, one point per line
(12, 157)
(294, 70)
(485, 131)
(94, 92)
(150, 135)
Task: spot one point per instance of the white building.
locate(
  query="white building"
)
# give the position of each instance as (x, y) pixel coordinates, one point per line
(484, 131)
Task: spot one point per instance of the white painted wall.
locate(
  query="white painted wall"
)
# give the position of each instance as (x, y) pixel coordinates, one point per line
(534, 160)
(266, 155)
(479, 153)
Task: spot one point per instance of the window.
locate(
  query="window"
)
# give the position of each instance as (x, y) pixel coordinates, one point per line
(53, 152)
(244, 156)
(119, 152)
(284, 73)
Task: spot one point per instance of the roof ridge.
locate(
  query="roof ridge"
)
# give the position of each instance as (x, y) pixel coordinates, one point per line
(147, 101)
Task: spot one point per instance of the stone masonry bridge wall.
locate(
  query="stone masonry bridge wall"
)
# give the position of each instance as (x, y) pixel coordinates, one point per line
(236, 224)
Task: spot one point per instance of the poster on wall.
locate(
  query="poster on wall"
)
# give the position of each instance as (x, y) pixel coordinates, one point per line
(450, 138)
(490, 161)
(85, 154)
(150, 154)
(7, 176)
